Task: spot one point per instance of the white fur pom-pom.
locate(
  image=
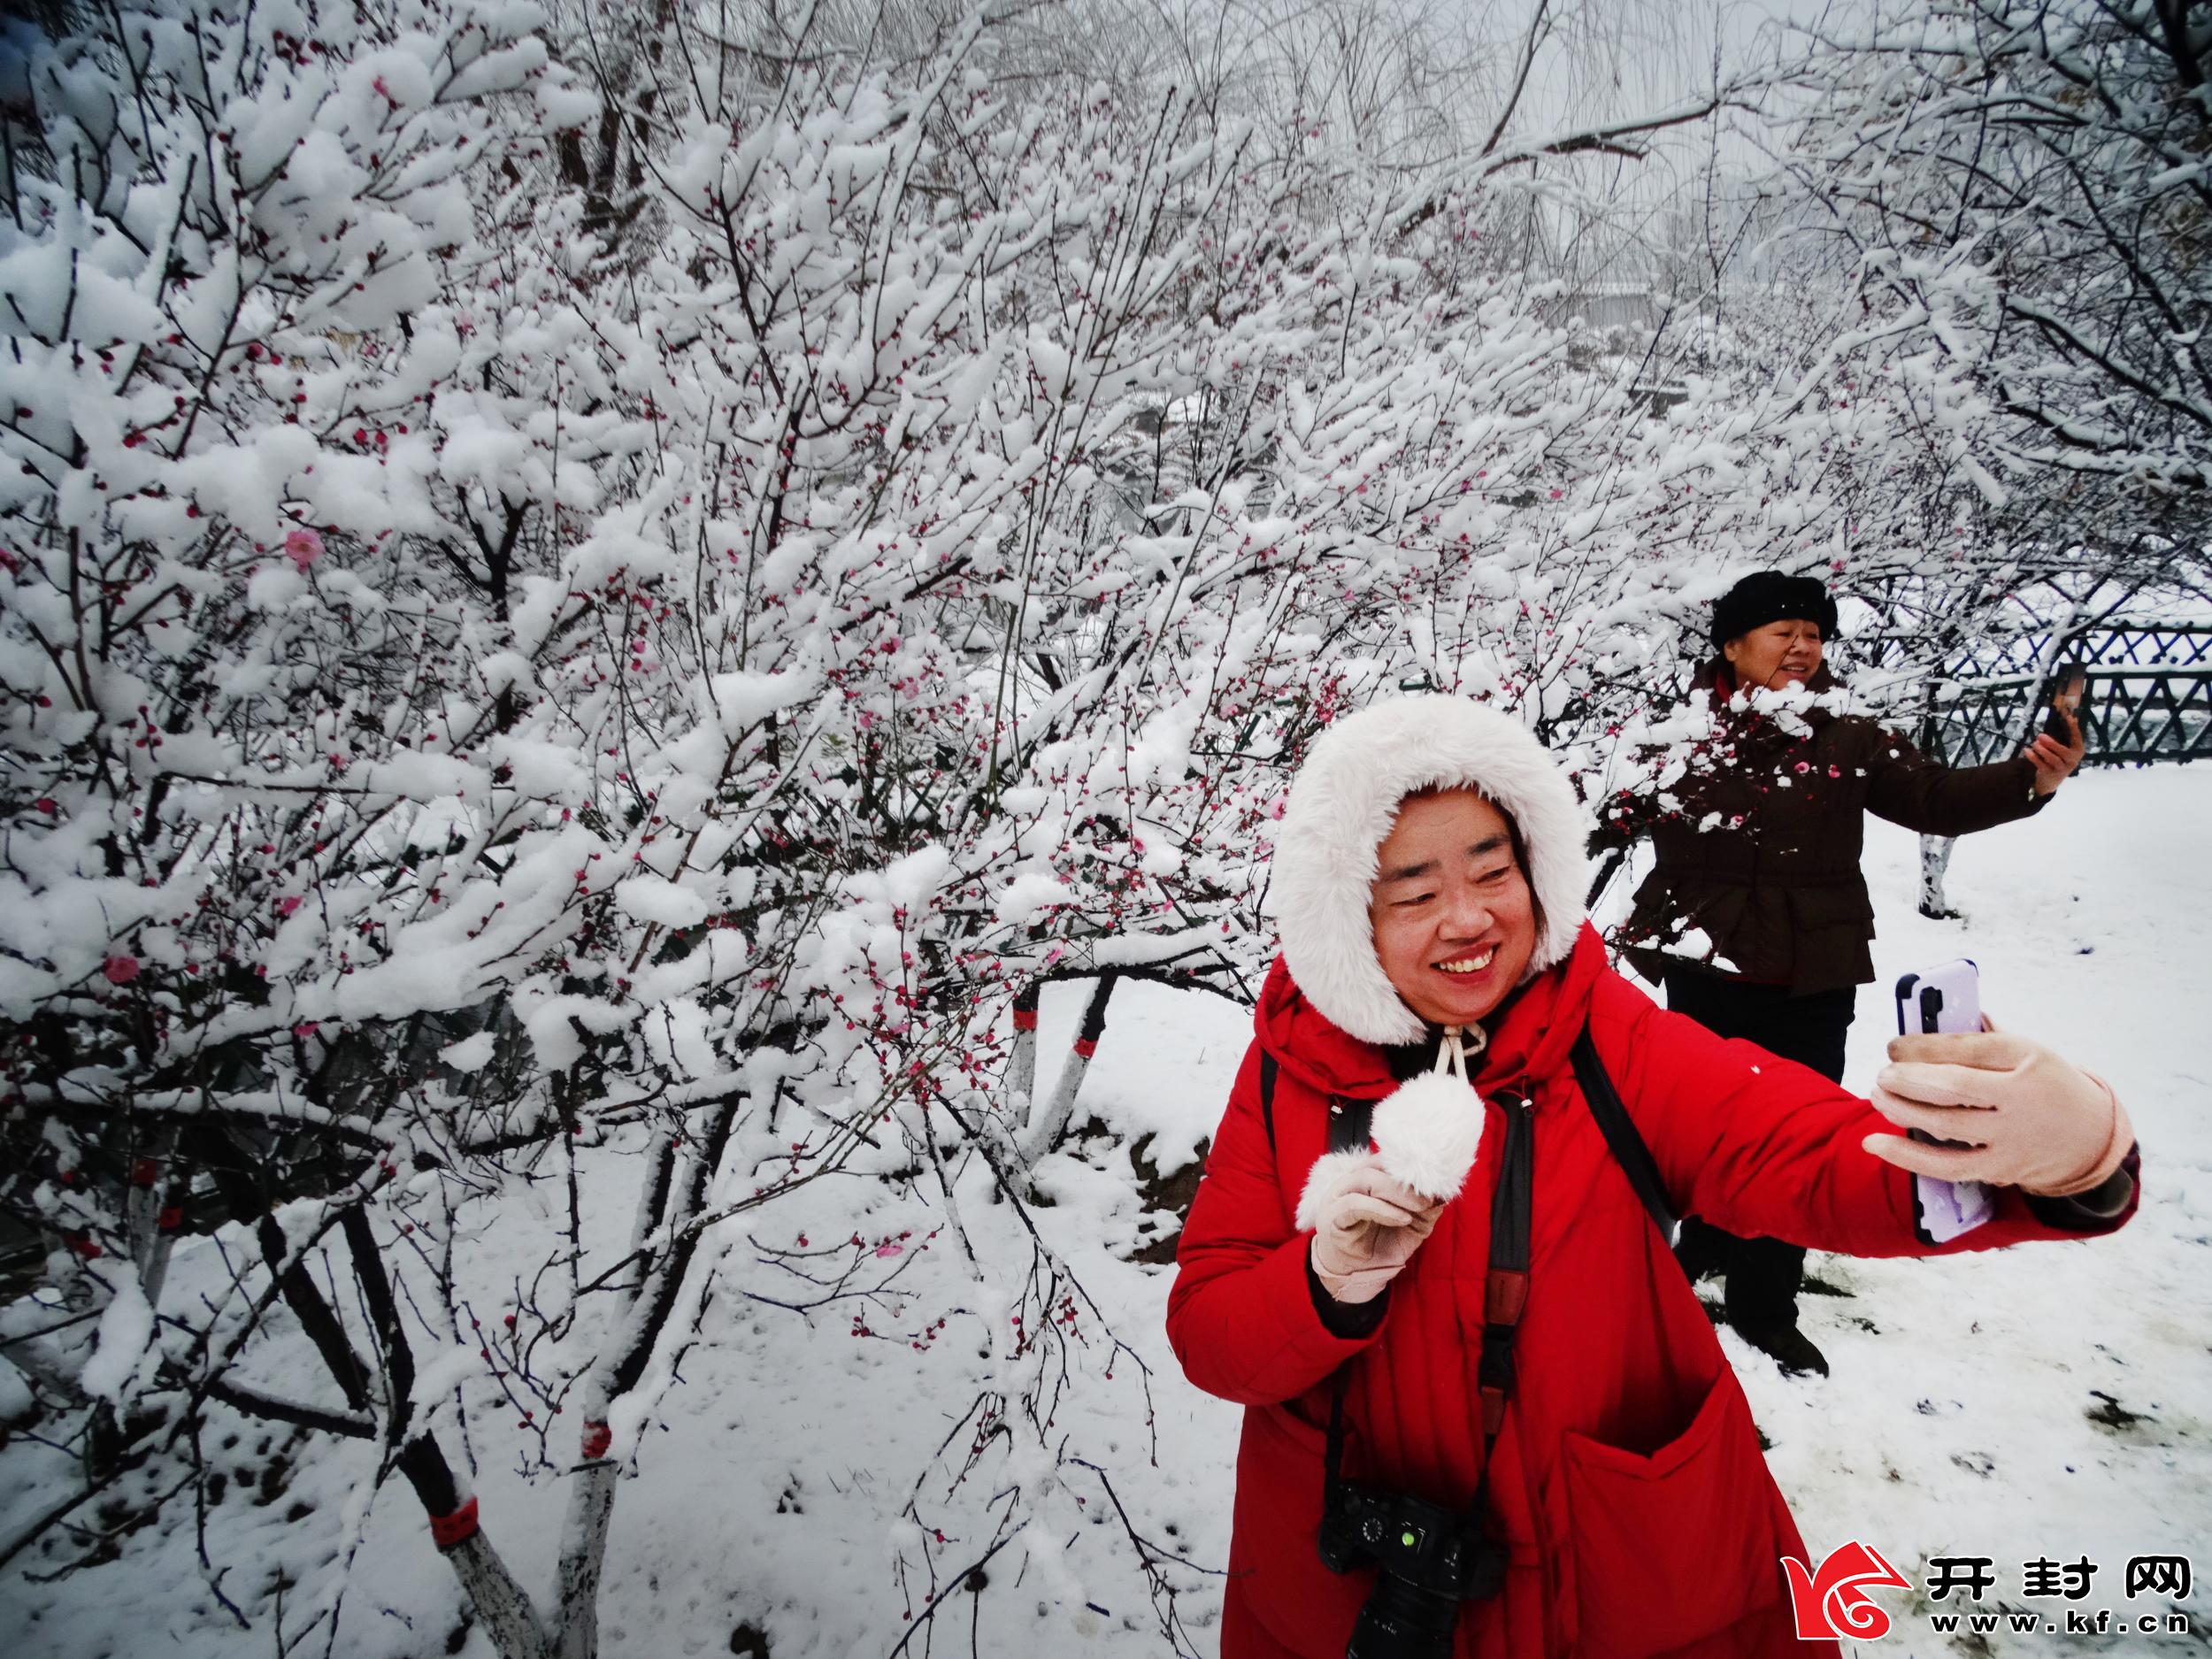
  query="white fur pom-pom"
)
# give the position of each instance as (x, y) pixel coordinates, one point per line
(1331, 1174)
(1428, 1133)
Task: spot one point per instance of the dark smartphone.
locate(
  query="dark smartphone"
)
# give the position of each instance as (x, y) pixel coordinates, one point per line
(2069, 693)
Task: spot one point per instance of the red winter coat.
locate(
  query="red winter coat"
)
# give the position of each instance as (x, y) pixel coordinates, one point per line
(1628, 1487)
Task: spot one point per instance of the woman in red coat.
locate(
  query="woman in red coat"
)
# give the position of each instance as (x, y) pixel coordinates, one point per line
(1436, 974)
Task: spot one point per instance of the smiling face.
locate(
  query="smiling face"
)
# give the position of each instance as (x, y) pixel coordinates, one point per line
(1454, 920)
(1785, 653)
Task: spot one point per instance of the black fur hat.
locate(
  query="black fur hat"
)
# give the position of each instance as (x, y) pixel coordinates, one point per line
(1766, 596)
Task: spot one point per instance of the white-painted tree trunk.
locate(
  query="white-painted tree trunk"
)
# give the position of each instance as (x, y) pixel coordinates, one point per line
(661, 1206)
(1049, 1124)
(502, 1605)
(149, 1244)
(1042, 1132)
(1935, 858)
(1021, 1076)
(583, 1550)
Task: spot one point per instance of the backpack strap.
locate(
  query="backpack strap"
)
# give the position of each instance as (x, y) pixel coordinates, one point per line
(1629, 1150)
(1505, 1294)
(1349, 1120)
(1505, 1286)
(1267, 1097)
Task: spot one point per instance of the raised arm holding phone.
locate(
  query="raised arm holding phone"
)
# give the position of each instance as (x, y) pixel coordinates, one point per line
(2059, 748)
(1755, 917)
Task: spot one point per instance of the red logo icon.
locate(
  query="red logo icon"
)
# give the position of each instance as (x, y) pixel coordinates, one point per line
(1836, 1603)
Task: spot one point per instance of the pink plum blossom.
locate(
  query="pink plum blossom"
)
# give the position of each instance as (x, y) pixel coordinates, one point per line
(303, 547)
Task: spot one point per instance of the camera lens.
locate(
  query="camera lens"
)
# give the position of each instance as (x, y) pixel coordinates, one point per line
(1403, 1621)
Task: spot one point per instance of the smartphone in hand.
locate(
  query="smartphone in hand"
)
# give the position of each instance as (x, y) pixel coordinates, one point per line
(1943, 999)
(2068, 694)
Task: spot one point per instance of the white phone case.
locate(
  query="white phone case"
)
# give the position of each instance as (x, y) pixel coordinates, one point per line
(1943, 999)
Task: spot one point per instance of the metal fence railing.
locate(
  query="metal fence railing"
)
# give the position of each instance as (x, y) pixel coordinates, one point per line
(2149, 699)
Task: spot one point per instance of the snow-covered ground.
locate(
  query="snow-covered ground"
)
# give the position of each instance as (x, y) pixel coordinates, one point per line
(2051, 1401)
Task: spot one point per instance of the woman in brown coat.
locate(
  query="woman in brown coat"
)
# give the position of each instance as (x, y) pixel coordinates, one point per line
(1756, 916)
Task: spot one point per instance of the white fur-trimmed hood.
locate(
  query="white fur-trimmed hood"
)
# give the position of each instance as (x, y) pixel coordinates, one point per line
(1341, 807)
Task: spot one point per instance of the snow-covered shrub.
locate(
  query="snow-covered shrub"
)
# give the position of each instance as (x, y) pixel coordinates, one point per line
(282, 817)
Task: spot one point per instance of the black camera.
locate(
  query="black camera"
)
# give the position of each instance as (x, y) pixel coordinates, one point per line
(1427, 1561)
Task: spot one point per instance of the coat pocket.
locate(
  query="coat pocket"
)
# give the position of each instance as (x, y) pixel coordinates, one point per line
(1677, 1545)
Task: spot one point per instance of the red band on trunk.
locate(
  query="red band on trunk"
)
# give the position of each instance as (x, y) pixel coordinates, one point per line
(597, 1439)
(446, 1531)
(143, 1173)
(170, 1218)
(1024, 1019)
(1085, 1048)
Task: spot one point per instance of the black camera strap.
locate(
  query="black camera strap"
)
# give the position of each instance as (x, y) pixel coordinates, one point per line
(1505, 1292)
(1505, 1288)
(1349, 1124)
(1505, 1284)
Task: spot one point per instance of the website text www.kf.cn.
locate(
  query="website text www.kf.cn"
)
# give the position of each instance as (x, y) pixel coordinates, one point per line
(1834, 1602)
(2074, 1621)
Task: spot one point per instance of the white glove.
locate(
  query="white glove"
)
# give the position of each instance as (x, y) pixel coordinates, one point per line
(2030, 1119)
(1366, 1228)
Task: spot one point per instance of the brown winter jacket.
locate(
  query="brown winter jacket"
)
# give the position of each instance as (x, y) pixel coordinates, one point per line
(1759, 846)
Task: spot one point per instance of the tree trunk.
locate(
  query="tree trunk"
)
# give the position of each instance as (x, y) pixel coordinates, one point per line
(504, 1607)
(675, 1192)
(1045, 1132)
(1021, 1066)
(583, 1549)
(1935, 858)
